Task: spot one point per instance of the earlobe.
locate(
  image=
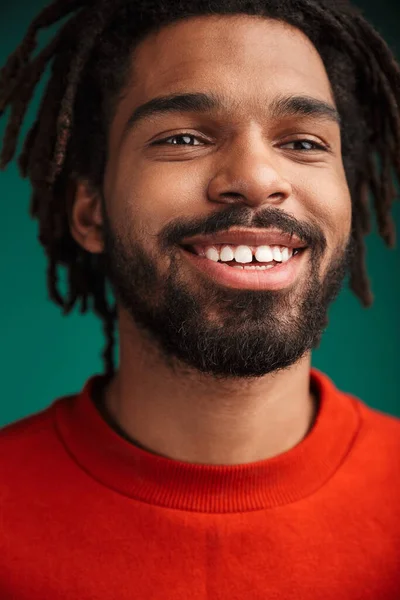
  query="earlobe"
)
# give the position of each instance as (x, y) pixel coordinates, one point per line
(86, 220)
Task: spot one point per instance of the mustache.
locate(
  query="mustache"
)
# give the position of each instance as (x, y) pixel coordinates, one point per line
(242, 216)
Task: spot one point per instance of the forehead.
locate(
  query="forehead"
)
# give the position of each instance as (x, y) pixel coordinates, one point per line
(245, 58)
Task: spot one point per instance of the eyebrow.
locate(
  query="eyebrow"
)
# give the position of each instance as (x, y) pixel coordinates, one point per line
(284, 106)
(304, 106)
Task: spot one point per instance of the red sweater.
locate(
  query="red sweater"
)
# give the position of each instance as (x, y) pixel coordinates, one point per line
(85, 514)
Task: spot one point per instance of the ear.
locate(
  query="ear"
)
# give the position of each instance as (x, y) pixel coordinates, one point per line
(86, 219)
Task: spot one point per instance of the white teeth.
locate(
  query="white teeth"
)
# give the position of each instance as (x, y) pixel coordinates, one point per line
(243, 254)
(264, 254)
(277, 254)
(286, 254)
(227, 254)
(257, 267)
(212, 254)
(253, 267)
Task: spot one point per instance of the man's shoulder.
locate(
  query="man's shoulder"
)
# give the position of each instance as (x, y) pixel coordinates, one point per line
(27, 428)
(379, 434)
(33, 463)
(379, 420)
(29, 440)
(373, 422)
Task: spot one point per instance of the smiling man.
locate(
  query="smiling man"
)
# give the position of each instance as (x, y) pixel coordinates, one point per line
(211, 162)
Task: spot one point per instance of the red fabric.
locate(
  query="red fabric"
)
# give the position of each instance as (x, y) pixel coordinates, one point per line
(84, 514)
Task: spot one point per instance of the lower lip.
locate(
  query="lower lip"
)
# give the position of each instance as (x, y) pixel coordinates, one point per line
(276, 278)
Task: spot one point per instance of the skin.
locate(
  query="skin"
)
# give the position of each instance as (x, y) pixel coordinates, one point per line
(180, 413)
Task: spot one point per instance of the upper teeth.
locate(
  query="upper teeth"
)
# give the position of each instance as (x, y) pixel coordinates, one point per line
(244, 254)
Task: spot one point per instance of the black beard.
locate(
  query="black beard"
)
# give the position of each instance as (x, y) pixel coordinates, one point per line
(255, 332)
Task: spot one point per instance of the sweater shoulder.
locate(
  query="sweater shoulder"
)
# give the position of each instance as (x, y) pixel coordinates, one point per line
(378, 438)
(382, 423)
(27, 442)
(28, 428)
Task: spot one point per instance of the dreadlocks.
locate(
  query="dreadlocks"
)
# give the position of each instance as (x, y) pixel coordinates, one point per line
(69, 137)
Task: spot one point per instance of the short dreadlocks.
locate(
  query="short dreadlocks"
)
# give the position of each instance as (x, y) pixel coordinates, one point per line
(90, 58)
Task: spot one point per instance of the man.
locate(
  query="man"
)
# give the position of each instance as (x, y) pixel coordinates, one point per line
(212, 161)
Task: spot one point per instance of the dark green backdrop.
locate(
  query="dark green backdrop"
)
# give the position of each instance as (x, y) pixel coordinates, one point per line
(45, 355)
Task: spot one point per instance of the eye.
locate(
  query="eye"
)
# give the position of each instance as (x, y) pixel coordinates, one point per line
(181, 139)
(305, 145)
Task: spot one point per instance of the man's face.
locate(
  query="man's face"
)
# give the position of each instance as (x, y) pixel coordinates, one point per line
(253, 163)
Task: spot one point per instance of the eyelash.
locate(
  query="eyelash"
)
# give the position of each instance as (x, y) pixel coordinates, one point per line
(318, 147)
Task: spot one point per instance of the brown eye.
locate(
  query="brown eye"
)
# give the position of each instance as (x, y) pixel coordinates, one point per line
(304, 145)
(182, 139)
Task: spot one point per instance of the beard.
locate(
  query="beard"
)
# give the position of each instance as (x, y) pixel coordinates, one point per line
(219, 331)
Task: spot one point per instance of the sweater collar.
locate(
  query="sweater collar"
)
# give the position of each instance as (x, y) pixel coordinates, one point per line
(147, 477)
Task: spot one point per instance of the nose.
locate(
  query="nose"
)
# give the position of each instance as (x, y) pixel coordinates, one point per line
(250, 173)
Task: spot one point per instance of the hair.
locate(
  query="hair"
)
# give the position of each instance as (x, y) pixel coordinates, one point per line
(90, 58)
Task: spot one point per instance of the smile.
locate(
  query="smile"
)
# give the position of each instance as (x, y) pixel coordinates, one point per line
(244, 267)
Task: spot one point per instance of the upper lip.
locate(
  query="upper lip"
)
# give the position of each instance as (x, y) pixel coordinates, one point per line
(248, 237)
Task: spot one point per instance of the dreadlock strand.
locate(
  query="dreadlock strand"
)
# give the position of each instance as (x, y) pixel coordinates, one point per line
(35, 68)
(386, 61)
(386, 72)
(363, 56)
(85, 265)
(45, 216)
(364, 213)
(38, 160)
(383, 204)
(37, 150)
(373, 177)
(73, 289)
(56, 11)
(354, 36)
(19, 58)
(33, 153)
(378, 188)
(35, 203)
(81, 282)
(52, 280)
(387, 120)
(23, 97)
(385, 193)
(23, 159)
(108, 315)
(359, 281)
(65, 118)
(84, 302)
(109, 350)
(20, 106)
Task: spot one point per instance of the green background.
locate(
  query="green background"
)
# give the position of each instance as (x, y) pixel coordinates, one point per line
(45, 355)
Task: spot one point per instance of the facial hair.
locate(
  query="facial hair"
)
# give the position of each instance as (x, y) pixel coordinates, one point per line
(219, 331)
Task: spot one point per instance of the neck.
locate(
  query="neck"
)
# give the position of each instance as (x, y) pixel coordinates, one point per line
(191, 417)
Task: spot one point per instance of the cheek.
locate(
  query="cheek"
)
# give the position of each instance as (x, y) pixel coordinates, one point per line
(328, 202)
(338, 215)
(170, 190)
(152, 195)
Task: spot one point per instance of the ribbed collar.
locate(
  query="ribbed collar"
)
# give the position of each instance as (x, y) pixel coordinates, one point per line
(147, 477)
